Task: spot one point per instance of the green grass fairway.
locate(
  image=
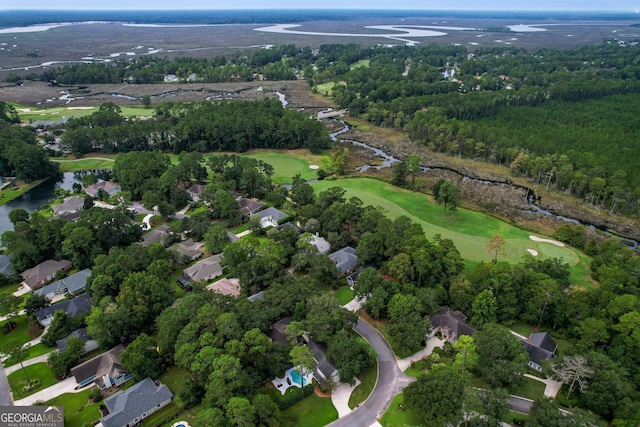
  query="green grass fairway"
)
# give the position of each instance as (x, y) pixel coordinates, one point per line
(469, 230)
(361, 63)
(325, 88)
(28, 114)
(89, 163)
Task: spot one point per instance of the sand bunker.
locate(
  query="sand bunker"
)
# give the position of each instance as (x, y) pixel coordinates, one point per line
(533, 252)
(540, 239)
(79, 108)
(314, 167)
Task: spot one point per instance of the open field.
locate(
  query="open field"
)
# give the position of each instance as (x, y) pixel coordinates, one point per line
(28, 114)
(88, 163)
(470, 231)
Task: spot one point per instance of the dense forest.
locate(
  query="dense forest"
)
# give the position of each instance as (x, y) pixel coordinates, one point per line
(224, 126)
(20, 156)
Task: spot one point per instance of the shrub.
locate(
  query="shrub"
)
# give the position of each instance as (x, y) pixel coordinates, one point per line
(96, 395)
(290, 399)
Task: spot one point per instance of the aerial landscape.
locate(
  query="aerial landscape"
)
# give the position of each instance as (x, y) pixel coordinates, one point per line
(362, 214)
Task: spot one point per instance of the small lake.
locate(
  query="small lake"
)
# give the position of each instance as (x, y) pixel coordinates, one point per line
(38, 196)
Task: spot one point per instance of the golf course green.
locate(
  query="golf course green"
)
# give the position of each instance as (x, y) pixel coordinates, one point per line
(469, 230)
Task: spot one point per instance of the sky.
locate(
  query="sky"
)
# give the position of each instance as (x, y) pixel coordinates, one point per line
(600, 5)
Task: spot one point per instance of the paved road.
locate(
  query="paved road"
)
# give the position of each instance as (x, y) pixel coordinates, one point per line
(520, 404)
(5, 391)
(391, 381)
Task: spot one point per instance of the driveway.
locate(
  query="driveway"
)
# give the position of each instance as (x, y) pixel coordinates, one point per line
(65, 386)
(391, 381)
(520, 404)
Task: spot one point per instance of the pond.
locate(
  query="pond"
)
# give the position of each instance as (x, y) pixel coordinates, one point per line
(38, 196)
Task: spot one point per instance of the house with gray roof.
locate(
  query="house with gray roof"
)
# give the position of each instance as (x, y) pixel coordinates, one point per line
(188, 250)
(70, 205)
(73, 307)
(319, 242)
(157, 235)
(107, 186)
(105, 370)
(256, 297)
(345, 259)
(540, 347)
(82, 335)
(270, 217)
(128, 407)
(43, 272)
(195, 191)
(206, 269)
(324, 370)
(6, 267)
(451, 324)
(74, 284)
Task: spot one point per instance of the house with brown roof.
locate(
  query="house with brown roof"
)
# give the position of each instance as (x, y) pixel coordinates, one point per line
(107, 186)
(43, 272)
(157, 235)
(249, 207)
(188, 250)
(105, 370)
(226, 286)
(451, 324)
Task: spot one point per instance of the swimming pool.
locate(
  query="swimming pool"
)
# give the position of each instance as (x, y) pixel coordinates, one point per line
(296, 377)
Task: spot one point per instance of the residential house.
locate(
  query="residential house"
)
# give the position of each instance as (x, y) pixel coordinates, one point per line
(72, 217)
(232, 237)
(73, 307)
(6, 267)
(540, 347)
(249, 207)
(205, 269)
(107, 186)
(82, 335)
(278, 331)
(353, 277)
(74, 284)
(451, 324)
(324, 370)
(188, 250)
(105, 370)
(70, 205)
(270, 217)
(345, 259)
(195, 191)
(256, 297)
(319, 242)
(43, 272)
(226, 286)
(289, 224)
(157, 235)
(128, 407)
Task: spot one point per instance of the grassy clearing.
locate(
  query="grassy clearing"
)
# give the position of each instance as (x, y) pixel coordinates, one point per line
(39, 371)
(23, 330)
(530, 388)
(173, 379)
(344, 295)
(28, 114)
(469, 230)
(325, 88)
(367, 383)
(312, 411)
(78, 409)
(398, 416)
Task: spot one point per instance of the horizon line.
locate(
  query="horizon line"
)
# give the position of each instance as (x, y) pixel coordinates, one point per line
(322, 8)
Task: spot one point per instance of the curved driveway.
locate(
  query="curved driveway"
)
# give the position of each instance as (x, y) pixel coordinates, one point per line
(391, 381)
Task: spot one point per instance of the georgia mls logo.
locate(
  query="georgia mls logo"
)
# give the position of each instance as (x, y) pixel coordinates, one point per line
(31, 416)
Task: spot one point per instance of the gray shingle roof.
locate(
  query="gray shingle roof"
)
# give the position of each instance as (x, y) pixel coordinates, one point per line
(81, 334)
(540, 347)
(107, 363)
(248, 207)
(206, 269)
(323, 366)
(452, 323)
(125, 406)
(157, 235)
(73, 284)
(5, 264)
(70, 205)
(107, 186)
(345, 259)
(272, 212)
(73, 307)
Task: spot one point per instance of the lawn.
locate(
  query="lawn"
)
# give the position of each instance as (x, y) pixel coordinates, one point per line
(398, 416)
(367, 382)
(17, 188)
(23, 332)
(344, 295)
(531, 389)
(78, 409)
(361, 63)
(33, 351)
(469, 230)
(173, 379)
(325, 88)
(40, 371)
(312, 411)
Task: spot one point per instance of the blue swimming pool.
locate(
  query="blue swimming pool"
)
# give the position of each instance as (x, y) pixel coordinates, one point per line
(296, 377)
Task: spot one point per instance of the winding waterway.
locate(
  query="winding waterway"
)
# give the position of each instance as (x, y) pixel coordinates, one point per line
(389, 160)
